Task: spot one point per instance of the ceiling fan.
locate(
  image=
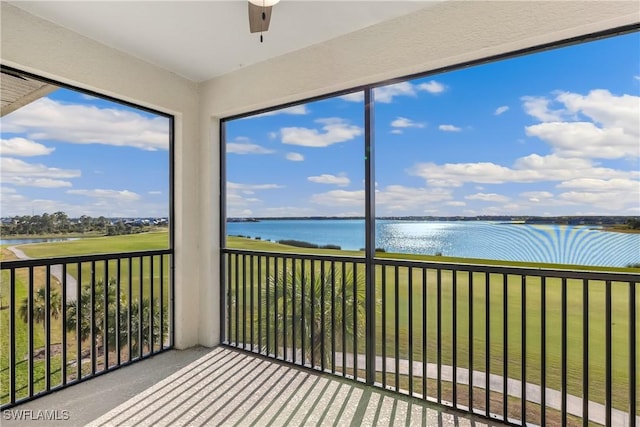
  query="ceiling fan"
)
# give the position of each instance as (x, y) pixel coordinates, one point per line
(260, 15)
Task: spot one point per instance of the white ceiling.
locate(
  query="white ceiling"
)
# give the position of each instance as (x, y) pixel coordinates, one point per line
(204, 39)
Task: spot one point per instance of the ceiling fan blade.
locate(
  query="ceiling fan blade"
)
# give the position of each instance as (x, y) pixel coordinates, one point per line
(256, 23)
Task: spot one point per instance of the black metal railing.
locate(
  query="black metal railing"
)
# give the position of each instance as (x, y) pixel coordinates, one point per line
(68, 319)
(522, 345)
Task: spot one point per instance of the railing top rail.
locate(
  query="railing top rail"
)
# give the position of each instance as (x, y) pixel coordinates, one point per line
(342, 258)
(39, 262)
(614, 276)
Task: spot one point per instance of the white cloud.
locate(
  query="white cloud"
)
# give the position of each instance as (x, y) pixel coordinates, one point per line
(334, 131)
(295, 157)
(155, 193)
(396, 132)
(628, 186)
(537, 196)
(532, 168)
(296, 110)
(403, 122)
(391, 200)
(330, 179)
(449, 128)
(22, 147)
(455, 203)
(353, 97)
(538, 107)
(46, 119)
(432, 87)
(487, 197)
(120, 195)
(585, 139)
(18, 172)
(385, 94)
(612, 130)
(252, 187)
(501, 110)
(242, 147)
(339, 197)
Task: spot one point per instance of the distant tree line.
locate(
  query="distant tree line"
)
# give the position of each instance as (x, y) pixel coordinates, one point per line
(60, 223)
(633, 223)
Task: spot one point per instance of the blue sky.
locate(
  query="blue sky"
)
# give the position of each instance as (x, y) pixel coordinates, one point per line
(83, 155)
(553, 133)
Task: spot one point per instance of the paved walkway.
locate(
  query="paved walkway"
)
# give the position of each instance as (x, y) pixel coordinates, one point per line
(597, 411)
(56, 271)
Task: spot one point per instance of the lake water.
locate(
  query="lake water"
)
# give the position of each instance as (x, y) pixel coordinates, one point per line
(581, 245)
(25, 241)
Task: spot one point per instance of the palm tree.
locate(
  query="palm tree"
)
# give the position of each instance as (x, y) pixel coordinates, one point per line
(39, 306)
(110, 312)
(311, 314)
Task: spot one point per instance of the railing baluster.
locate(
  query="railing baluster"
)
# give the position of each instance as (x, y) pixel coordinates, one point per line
(608, 354)
(410, 327)
(93, 318)
(344, 319)
(487, 345)
(251, 302)
(140, 308)
(79, 324)
(333, 317)
(312, 344)
(276, 261)
(161, 302)
(454, 339)
(151, 304)
(293, 310)
(47, 329)
(543, 352)
(585, 353)
(105, 320)
(384, 326)
(229, 299)
(439, 333)
(303, 281)
(355, 320)
(129, 302)
(259, 304)
(118, 296)
(30, 297)
(396, 319)
(632, 352)
(236, 299)
(268, 307)
(470, 341)
(322, 315)
(563, 363)
(244, 302)
(505, 349)
(424, 333)
(285, 289)
(523, 320)
(12, 332)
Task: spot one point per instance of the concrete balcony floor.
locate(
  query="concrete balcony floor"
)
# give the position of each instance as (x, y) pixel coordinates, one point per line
(223, 386)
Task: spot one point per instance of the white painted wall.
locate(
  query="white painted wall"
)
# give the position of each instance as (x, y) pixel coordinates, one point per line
(442, 35)
(37, 46)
